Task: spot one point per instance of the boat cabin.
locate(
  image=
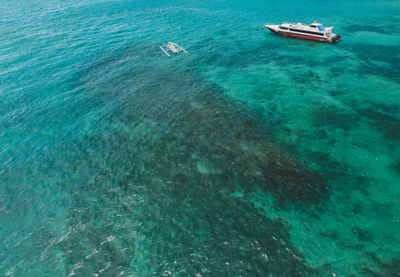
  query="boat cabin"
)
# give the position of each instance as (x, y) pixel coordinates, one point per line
(319, 26)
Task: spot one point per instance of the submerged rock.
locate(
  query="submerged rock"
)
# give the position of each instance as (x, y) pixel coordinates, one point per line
(296, 185)
(388, 125)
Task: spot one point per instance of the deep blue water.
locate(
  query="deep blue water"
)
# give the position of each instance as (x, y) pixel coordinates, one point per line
(252, 155)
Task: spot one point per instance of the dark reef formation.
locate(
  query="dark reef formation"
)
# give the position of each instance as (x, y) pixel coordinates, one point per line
(162, 168)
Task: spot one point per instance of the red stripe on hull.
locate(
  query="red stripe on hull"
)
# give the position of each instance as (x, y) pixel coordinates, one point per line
(322, 39)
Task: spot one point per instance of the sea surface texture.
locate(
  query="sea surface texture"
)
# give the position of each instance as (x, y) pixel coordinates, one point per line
(252, 155)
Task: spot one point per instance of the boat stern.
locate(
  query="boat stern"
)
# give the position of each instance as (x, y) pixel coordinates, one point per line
(335, 38)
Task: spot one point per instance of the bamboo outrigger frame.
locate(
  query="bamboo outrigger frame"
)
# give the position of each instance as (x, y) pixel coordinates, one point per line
(172, 47)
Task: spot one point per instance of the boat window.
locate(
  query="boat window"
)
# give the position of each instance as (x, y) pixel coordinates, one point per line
(283, 28)
(307, 32)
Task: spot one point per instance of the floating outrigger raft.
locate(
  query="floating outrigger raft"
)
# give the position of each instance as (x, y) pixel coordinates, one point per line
(171, 47)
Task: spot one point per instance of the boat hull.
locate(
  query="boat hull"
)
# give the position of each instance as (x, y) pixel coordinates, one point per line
(301, 36)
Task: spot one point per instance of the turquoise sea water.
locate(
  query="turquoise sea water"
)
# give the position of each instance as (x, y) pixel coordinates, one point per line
(253, 155)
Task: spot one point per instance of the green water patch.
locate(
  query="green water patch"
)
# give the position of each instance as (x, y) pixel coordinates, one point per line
(387, 124)
(133, 166)
(33, 213)
(207, 168)
(378, 39)
(378, 64)
(368, 27)
(157, 178)
(341, 118)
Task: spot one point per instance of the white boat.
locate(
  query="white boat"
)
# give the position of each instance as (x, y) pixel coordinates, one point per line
(171, 47)
(315, 31)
